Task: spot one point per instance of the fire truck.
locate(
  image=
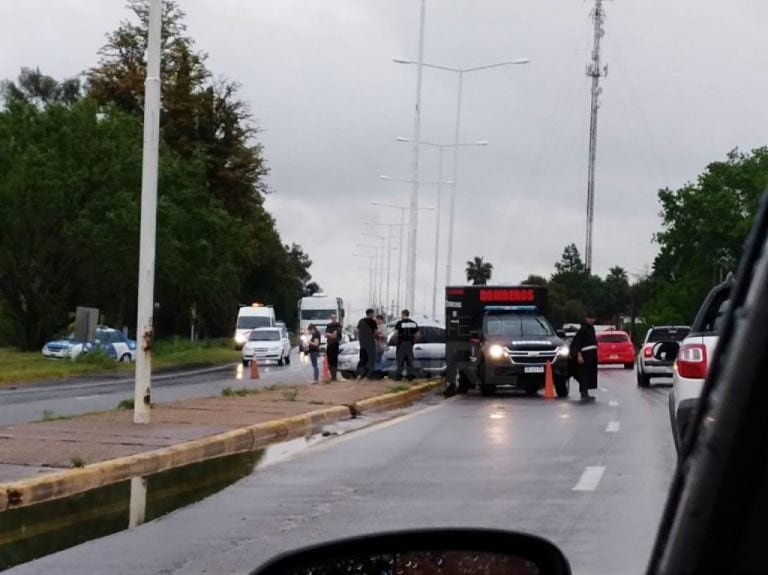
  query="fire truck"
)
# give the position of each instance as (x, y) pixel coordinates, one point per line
(499, 336)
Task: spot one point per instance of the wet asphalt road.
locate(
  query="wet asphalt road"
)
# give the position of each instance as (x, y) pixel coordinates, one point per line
(592, 478)
(29, 402)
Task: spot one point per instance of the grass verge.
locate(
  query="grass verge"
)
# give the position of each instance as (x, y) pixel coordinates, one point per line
(20, 367)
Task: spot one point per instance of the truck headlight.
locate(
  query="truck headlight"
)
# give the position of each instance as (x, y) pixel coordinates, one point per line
(496, 351)
(240, 338)
(563, 352)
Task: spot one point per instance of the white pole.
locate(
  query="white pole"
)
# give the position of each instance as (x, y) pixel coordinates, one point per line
(389, 270)
(437, 231)
(410, 272)
(381, 278)
(145, 331)
(452, 210)
(400, 260)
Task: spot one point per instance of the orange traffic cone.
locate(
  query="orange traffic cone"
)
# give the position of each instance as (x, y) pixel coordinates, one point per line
(326, 369)
(254, 369)
(549, 382)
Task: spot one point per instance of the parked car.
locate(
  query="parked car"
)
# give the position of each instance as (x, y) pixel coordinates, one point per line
(615, 347)
(112, 341)
(349, 355)
(428, 351)
(267, 344)
(694, 357)
(658, 352)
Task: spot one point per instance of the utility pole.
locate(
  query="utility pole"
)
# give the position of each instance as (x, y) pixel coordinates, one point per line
(595, 71)
(145, 330)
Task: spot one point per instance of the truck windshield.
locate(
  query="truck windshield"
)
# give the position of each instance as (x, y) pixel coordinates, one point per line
(517, 325)
(314, 314)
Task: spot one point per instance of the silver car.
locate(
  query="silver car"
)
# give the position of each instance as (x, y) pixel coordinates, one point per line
(658, 351)
(428, 351)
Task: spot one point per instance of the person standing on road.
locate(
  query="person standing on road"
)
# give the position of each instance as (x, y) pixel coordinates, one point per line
(366, 334)
(333, 333)
(381, 342)
(406, 331)
(584, 357)
(314, 350)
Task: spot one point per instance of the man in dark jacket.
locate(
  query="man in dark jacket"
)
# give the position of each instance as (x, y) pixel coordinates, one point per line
(584, 357)
(406, 331)
(333, 335)
(366, 334)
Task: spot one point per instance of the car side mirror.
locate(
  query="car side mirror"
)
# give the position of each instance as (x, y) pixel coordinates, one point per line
(420, 552)
(666, 350)
(560, 333)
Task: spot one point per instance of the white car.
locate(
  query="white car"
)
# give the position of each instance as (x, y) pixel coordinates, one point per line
(658, 351)
(267, 344)
(693, 359)
(112, 341)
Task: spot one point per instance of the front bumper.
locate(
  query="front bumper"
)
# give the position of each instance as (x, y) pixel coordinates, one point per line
(56, 354)
(522, 375)
(270, 355)
(349, 362)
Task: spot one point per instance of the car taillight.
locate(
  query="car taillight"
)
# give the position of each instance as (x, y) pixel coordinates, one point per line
(692, 361)
(648, 351)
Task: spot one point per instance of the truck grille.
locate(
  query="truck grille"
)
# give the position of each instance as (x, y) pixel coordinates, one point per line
(525, 359)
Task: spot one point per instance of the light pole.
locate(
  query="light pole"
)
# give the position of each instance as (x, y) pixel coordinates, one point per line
(402, 228)
(381, 263)
(369, 257)
(441, 148)
(389, 257)
(410, 271)
(375, 257)
(457, 134)
(145, 330)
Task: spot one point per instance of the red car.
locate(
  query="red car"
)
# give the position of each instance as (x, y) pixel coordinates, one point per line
(615, 347)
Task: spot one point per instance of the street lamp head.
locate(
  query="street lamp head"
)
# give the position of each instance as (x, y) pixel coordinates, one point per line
(402, 61)
(401, 139)
(481, 143)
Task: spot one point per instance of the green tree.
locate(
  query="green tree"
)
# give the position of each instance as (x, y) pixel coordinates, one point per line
(704, 226)
(478, 271)
(37, 89)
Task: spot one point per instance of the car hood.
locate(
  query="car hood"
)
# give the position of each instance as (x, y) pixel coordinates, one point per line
(62, 343)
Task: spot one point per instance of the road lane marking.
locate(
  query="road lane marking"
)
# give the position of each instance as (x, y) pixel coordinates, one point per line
(613, 403)
(590, 478)
(613, 426)
(84, 397)
(603, 389)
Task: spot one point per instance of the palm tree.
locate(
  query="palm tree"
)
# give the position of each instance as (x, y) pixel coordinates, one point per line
(478, 271)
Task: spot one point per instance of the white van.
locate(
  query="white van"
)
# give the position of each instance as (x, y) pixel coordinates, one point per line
(251, 317)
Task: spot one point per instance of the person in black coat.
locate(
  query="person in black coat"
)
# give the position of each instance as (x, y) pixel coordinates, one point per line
(366, 334)
(584, 357)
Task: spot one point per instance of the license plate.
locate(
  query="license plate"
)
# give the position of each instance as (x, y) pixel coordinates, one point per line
(535, 369)
(614, 357)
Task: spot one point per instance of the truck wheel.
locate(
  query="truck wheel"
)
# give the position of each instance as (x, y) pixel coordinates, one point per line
(464, 384)
(562, 387)
(487, 390)
(531, 390)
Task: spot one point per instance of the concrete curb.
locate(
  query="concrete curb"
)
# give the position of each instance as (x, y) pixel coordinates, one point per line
(71, 481)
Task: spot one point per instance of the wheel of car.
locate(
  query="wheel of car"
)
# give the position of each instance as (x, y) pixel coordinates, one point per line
(125, 357)
(629, 366)
(288, 359)
(562, 387)
(280, 361)
(348, 374)
(487, 390)
(643, 380)
(531, 390)
(246, 363)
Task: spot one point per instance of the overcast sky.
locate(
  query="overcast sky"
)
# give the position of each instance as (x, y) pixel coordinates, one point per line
(687, 82)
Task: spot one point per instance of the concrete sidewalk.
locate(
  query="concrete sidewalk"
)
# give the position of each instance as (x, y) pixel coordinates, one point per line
(34, 449)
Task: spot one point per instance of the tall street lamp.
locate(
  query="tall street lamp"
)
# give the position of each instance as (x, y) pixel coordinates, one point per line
(375, 257)
(387, 307)
(402, 229)
(441, 148)
(460, 72)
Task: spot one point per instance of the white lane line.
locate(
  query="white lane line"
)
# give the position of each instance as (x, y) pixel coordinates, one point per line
(603, 389)
(613, 426)
(613, 403)
(590, 478)
(84, 397)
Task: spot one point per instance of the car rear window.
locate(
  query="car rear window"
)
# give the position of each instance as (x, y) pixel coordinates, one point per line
(667, 334)
(613, 338)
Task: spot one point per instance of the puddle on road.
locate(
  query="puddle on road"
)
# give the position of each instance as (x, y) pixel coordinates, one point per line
(32, 532)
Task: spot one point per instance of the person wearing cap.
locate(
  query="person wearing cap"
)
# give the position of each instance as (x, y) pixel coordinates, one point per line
(406, 331)
(584, 356)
